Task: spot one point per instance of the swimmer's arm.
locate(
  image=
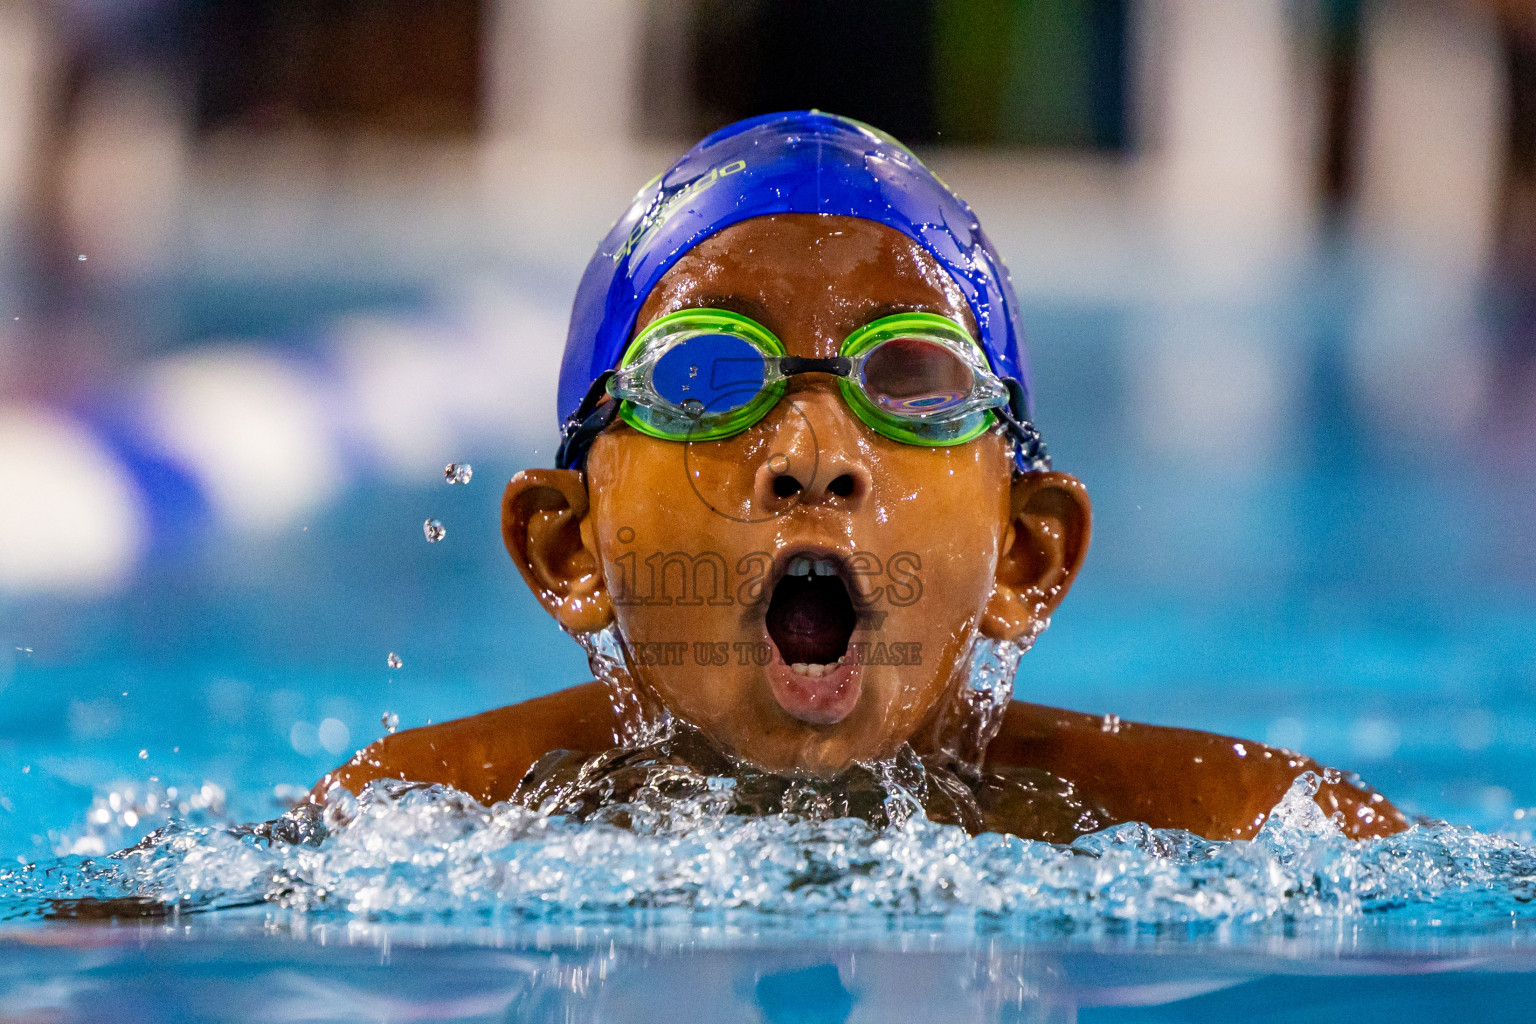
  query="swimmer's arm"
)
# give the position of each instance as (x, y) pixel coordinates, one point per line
(1177, 778)
(485, 755)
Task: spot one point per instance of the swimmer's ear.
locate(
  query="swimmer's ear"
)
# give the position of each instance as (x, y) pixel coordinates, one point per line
(1043, 548)
(544, 523)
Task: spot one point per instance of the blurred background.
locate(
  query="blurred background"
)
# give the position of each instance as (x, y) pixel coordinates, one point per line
(266, 267)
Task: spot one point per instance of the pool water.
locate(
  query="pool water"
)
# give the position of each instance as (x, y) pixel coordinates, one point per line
(366, 911)
(1340, 572)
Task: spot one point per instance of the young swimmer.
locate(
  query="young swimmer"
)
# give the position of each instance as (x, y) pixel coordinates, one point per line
(799, 480)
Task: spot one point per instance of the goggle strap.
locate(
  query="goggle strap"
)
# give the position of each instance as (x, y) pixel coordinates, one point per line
(591, 418)
(1029, 451)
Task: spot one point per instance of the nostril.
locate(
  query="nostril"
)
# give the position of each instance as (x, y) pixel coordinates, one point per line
(843, 486)
(786, 486)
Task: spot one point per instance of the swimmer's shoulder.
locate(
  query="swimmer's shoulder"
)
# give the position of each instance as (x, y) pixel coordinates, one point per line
(485, 755)
(1216, 786)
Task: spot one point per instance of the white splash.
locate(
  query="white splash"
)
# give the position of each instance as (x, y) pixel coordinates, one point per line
(405, 852)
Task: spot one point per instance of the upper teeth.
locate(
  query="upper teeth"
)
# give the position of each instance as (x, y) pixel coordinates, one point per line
(811, 567)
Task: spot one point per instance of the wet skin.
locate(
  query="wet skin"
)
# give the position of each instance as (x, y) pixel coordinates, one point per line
(685, 544)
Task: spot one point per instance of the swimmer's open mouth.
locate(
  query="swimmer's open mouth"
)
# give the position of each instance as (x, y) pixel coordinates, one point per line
(811, 616)
(810, 619)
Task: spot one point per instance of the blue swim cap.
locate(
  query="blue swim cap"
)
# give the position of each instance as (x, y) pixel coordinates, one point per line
(798, 162)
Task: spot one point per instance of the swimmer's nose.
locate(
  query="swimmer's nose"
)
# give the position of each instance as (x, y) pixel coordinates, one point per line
(816, 458)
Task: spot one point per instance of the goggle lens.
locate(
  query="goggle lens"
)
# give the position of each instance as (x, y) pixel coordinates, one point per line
(916, 377)
(717, 373)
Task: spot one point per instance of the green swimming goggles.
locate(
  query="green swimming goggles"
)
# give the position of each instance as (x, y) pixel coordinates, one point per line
(708, 374)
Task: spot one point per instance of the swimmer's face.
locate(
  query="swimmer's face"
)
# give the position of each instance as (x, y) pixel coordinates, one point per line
(806, 591)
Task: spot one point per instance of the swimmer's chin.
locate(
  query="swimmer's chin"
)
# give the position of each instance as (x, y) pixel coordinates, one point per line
(824, 695)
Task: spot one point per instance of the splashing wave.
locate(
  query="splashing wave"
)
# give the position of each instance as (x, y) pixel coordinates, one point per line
(402, 852)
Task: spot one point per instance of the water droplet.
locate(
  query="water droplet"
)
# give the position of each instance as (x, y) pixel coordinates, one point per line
(393, 661)
(458, 472)
(434, 530)
(143, 755)
(390, 721)
(1110, 724)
